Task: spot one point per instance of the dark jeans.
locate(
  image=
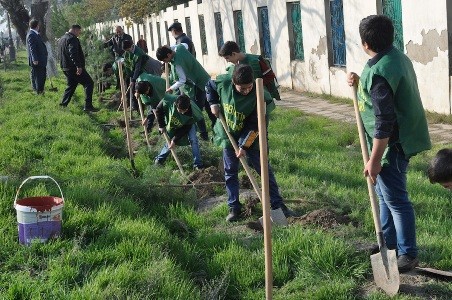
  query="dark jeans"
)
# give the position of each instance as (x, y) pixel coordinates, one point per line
(231, 170)
(396, 211)
(201, 102)
(72, 81)
(38, 78)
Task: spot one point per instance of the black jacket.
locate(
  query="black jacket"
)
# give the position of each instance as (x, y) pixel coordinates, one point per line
(70, 52)
(116, 43)
(37, 50)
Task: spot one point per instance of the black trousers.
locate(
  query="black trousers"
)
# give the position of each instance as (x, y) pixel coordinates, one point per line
(38, 76)
(72, 81)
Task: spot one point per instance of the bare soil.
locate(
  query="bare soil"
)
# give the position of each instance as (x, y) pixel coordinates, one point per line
(324, 218)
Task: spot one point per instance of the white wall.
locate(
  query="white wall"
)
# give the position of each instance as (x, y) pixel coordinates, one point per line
(425, 38)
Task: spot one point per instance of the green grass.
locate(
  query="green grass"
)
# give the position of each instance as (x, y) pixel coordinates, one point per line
(126, 238)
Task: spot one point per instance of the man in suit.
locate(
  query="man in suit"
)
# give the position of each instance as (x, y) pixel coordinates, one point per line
(181, 37)
(72, 62)
(37, 57)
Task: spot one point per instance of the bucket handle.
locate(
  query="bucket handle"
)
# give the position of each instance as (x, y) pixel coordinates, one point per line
(37, 177)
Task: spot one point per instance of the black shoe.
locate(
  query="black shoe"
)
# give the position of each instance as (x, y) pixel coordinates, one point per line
(158, 163)
(406, 263)
(90, 109)
(197, 168)
(287, 211)
(204, 136)
(234, 215)
(63, 105)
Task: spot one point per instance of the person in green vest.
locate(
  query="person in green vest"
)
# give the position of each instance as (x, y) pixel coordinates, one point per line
(235, 98)
(177, 116)
(396, 129)
(440, 168)
(190, 76)
(230, 51)
(150, 89)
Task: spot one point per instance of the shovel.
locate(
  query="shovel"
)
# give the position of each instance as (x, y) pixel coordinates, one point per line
(384, 263)
(146, 136)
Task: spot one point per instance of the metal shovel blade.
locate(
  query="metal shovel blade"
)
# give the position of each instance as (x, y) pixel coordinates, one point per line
(386, 273)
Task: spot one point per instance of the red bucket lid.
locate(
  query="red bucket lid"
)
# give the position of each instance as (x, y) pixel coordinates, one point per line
(40, 203)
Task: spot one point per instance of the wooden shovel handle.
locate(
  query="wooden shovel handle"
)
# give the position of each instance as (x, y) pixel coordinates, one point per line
(370, 185)
(173, 152)
(146, 136)
(126, 117)
(242, 159)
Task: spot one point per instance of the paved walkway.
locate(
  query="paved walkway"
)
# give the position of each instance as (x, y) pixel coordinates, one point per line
(440, 133)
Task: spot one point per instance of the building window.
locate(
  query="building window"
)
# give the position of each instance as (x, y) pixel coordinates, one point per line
(264, 32)
(393, 9)
(188, 26)
(151, 35)
(295, 31)
(167, 33)
(159, 36)
(218, 30)
(238, 28)
(202, 29)
(337, 33)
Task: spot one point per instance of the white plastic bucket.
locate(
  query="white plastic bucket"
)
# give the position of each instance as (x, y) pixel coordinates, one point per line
(39, 217)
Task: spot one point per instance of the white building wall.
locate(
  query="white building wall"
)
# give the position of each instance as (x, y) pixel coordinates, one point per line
(425, 37)
(426, 44)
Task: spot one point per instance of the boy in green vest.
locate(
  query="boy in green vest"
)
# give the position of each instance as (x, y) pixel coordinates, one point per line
(177, 115)
(396, 129)
(150, 89)
(191, 78)
(235, 98)
(440, 169)
(230, 51)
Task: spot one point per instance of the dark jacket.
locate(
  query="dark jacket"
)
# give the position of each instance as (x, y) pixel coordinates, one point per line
(183, 38)
(70, 52)
(116, 43)
(37, 50)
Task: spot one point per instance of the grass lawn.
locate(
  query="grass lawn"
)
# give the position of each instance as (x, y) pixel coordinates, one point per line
(127, 237)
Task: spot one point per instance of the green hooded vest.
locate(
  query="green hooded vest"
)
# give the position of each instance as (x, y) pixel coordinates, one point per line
(235, 107)
(175, 120)
(192, 68)
(159, 88)
(398, 71)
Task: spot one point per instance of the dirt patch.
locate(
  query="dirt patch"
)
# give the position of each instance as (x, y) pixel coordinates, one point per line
(415, 284)
(206, 181)
(247, 197)
(324, 218)
(113, 102)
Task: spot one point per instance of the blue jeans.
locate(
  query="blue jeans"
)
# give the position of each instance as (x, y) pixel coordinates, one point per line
(231, 170)
(197, 162)
(396, 211)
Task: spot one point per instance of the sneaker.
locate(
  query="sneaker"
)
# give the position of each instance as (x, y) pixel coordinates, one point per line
(198, 168)
(90, 109)
(406, 263)
(234, 215)
(287, 211)
(63, 105)
(158, 163)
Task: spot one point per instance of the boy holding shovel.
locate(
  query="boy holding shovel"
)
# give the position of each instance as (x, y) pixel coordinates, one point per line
(235, 99)
(177, 116)
(150, 89)
(396, 129)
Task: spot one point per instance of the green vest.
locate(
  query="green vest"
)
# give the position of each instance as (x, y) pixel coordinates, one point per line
(398, 71)
(159, 88)
(130, 59)
(175, 120)
(253, 60)
(192, 68)
(235, 107)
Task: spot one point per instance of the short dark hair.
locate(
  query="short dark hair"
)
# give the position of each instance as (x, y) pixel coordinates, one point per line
(107, 66)
(377, 31)
(183, 102)
(76, 26)
(127, 44)
(162, 52)
(228, 48)
(176, 26)
(33, 23)
(142, 87)
(440, 168)
(243, 74)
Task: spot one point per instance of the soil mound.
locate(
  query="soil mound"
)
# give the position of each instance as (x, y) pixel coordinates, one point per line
(206, 181)
(324, 218)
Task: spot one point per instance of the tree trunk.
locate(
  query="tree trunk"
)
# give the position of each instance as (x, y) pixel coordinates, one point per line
(19, 16)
